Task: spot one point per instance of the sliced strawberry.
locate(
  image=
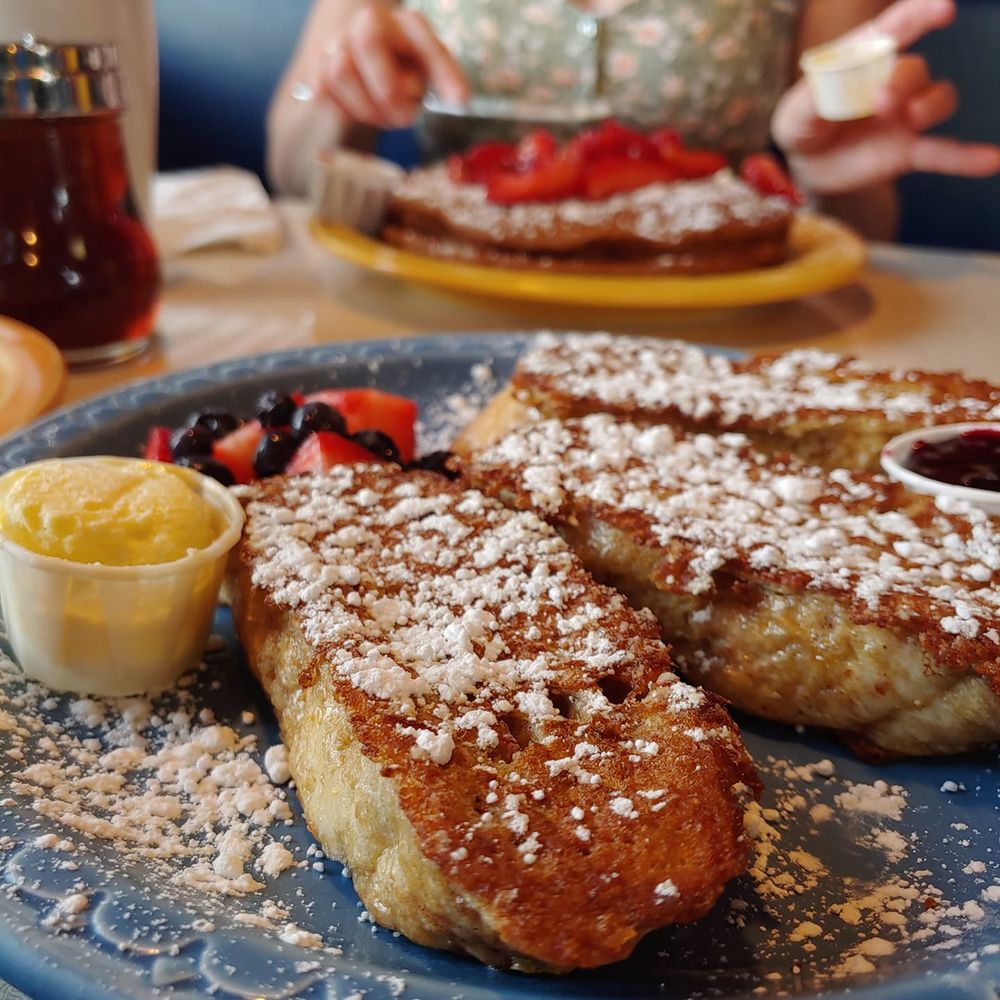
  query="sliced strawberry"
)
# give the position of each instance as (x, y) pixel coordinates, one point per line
(237, 448)
(611, 138)
(157, 446)
(559, 178)
(324, 449)
(536, 148)
(481, 162)
(693, 163)
(666, 140)
(763, 173)
(372, 409)
(615, 174)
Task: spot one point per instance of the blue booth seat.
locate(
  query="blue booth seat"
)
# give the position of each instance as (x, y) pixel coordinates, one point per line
(953, 211)
(221, 59)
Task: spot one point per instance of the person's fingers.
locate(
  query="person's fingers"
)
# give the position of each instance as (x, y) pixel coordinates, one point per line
(343, 84)
(795, 126)
(443, 72)
(949, 156)
(909, 77)
(385, 58)
(908, 20)
(935, 104)
(370, 49)
(412, 85)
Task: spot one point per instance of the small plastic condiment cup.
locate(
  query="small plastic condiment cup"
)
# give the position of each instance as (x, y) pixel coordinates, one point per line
(116, 630)
(895, 453)
(353, 189)
(845, 76)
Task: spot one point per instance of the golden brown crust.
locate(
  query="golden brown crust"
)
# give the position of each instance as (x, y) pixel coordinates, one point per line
(704, 226)
(501, 415)
(597, 259)
(826, 409)
(521, 720)
(708, 517)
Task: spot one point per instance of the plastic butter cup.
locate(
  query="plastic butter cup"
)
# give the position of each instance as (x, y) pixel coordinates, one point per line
(116, 630)
(845, 76)
(352, 189)
(895, 453)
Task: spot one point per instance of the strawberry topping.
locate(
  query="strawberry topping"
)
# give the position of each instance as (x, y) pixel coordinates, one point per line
(764, 174)
(609, 159)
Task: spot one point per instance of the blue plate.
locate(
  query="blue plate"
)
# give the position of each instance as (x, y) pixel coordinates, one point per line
(136, 942)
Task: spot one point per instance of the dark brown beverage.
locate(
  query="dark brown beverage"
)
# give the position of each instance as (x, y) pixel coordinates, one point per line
(75, 261)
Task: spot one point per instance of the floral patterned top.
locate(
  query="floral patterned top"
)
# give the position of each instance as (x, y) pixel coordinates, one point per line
(713, 69)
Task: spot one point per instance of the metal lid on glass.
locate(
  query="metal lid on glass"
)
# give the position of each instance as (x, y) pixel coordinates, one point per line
(40, 79)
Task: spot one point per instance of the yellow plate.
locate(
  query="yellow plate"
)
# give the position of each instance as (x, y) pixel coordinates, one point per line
(32, 373)
(825, 255)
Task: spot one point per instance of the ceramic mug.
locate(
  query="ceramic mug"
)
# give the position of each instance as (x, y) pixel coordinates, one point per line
(131, 25)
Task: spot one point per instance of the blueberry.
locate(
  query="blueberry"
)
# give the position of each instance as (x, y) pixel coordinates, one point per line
(216, 423)
(209, 467)
(440, 462)
(186, 441)
(274, 452)
(312, 417)
(378, 444)
(275, 409)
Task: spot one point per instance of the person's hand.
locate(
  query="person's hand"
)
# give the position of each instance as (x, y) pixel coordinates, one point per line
(830, 158)
(385, 60)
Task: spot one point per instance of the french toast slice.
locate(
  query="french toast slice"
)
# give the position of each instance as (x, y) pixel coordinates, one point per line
(827, 409)
(492, 742)
(703, 225)
(830, 598)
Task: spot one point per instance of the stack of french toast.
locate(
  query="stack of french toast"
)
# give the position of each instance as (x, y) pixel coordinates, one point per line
(478, 681)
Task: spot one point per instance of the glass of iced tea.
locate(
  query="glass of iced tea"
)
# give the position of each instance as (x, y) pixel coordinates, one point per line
(76, 261)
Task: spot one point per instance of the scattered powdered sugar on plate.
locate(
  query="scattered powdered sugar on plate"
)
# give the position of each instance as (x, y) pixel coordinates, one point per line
(441, 421)
(153, 795)
(160, 780)
(840, 884)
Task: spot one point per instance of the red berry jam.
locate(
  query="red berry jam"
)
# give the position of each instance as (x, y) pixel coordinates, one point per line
(971, 458)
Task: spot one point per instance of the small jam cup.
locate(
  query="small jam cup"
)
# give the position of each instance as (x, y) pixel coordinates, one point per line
(895, 453)
(116, 630)
(353, 189)
(845, 76)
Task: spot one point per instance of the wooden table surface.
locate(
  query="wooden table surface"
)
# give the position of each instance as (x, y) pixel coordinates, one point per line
(913, 307)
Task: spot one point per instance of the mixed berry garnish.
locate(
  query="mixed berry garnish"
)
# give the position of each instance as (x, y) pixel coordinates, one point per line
(603, 161)
(291, 433)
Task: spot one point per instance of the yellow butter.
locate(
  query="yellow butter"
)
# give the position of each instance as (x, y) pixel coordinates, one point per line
(115, 512)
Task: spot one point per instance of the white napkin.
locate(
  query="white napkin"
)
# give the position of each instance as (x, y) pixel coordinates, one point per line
(213, 207)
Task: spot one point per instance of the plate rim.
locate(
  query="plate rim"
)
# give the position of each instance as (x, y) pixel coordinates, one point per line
(833, 254)
(90, 413)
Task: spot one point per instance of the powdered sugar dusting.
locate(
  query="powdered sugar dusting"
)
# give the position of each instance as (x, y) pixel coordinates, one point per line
(659, 215)
(158, 806)
(422, 623)
(172, 789)
(812, 925)
(662, 376)
(476, 637)
(895, 558)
